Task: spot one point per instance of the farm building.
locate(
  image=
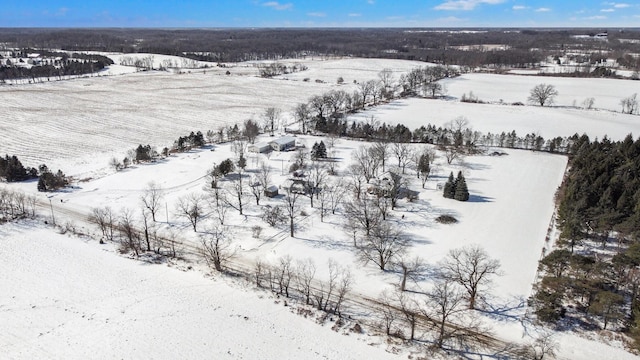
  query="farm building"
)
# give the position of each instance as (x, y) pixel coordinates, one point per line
(271, 191)
(283, 144)
(260, 148)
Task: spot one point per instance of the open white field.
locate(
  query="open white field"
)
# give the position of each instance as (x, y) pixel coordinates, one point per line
(63, 298)
(544, 121)
(571, 91)
(78, 125)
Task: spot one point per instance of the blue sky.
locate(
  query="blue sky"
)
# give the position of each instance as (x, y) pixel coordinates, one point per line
(320, 13)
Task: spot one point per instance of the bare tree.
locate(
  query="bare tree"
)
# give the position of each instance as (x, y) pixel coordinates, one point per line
(395, 185)
(217, 247)
(410, 311)
(472, 268)
(367, 161)
(366, 88)
(384, 243)
(336, 192)
(388, 311)
(105, 220)
(192, 208)
(218, 203)
(271, 116)
(343, 287)
(264, 174)
(302, 114)
(256, 189)
(630, 104)
(543, 94)
(237, 191)
(284, 272)
(433, 89)
(151, 198)
(543, 345)
(363, 216)
(381, 150)
(316, 177)
(444, 303)
(292, 208)
(387, 83)
(305, 273)
(411, 268)
(129, 236)
(403, 153)
(357, 179)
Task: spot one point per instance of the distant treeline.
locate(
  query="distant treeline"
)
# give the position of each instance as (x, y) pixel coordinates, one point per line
(522, 48)
(50, 64)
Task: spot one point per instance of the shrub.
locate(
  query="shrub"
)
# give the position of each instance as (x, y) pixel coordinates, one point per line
(274, 215)
(446, 219)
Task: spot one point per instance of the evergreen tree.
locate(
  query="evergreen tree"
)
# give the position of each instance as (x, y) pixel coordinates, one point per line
(461, 192)
(319, 151)
(450, 187)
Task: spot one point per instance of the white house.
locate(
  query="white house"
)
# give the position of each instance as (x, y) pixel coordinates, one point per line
(260, 147)
(283, 144)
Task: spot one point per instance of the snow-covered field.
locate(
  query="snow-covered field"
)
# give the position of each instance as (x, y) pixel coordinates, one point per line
(66, 298)
(571, 91)
(547, 122)
(96, 301)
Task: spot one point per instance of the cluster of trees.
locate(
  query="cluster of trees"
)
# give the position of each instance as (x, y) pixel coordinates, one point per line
(299, 279)
(599, 204)
(16, 205)
(72, 67)
(49, 181)
(325, 113)
(456, 188)
(275, 69)
(11, 169)
(463, 276)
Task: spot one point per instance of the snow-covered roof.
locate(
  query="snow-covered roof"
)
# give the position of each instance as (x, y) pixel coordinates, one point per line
(284, 140)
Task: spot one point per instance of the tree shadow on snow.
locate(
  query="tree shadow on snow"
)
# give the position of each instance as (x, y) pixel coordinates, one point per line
(480, 199)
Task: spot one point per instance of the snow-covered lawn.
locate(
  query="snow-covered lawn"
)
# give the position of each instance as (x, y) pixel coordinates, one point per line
(65, 298)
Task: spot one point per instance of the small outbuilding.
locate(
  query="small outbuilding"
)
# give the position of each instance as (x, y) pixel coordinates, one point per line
(259, 148)
(283, 144)
(271, 191)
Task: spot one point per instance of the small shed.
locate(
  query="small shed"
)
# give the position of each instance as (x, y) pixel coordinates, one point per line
(271, 191)
(283, 144)
(259, 148)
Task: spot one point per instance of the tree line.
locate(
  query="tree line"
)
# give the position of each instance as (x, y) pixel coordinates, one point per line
(594, 274)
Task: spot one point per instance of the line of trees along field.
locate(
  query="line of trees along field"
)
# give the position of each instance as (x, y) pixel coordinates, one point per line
(594, 275)
(227, 45)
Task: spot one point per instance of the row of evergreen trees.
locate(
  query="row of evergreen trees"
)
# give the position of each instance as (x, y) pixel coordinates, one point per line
(599, 202)
(12, 170)
(456, 188)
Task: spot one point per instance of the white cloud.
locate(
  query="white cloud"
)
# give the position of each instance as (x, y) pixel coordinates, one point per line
(354, 15)
(277, 6)
(621, 6)
(543, 9)
(519, 7)
(316, 14)
(607, 10)
(597, 17)
(465, 4)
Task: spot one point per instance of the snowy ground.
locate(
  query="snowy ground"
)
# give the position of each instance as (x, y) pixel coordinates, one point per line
(545, 121)
(67, 298)
(571, 91)
(81, 123)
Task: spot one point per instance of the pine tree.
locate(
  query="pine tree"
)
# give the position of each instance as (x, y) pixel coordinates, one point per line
(449, 187)
(461, 190)
(319, 151)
